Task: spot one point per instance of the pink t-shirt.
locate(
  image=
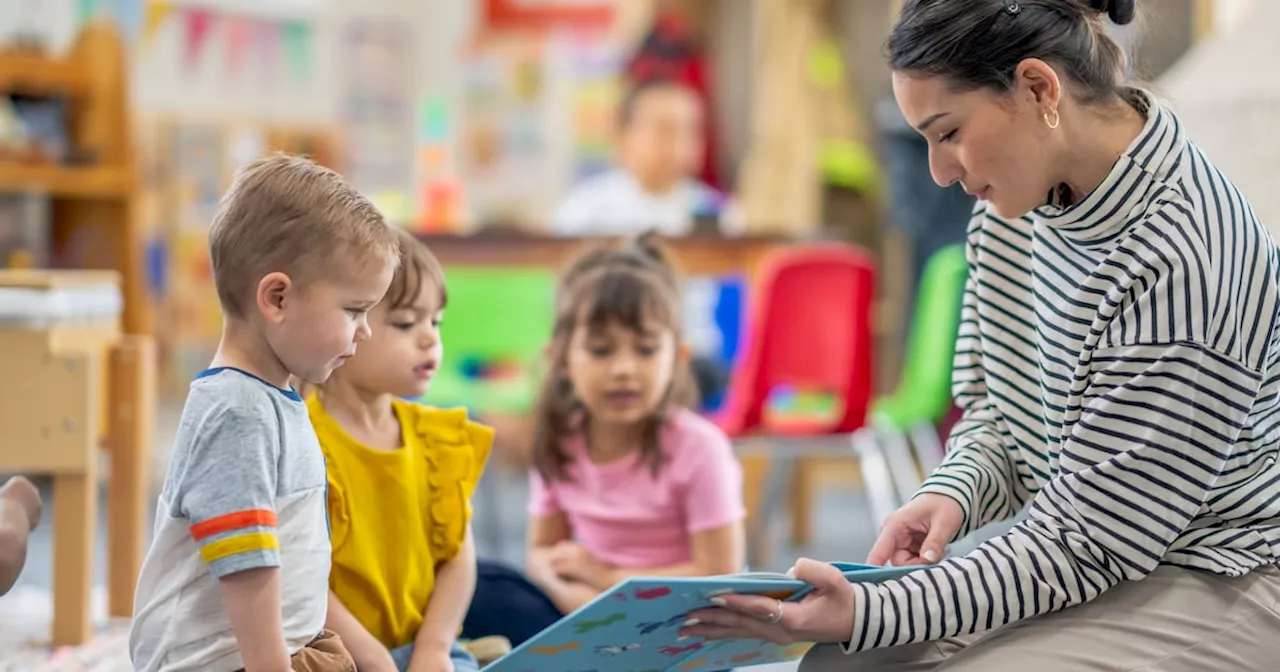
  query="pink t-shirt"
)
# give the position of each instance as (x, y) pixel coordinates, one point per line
(627, 517)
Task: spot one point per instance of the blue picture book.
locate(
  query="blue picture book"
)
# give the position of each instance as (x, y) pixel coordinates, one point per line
(634, 626)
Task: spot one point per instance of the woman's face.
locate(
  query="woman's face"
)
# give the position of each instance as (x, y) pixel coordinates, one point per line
(995, 145)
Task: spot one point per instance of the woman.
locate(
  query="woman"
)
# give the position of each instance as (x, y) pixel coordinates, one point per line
(1118, 368)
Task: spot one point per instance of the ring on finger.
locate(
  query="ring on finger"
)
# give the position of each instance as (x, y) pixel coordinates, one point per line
(775, 616)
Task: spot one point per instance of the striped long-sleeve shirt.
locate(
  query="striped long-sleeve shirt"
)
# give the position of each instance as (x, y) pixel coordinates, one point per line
(1118, 368)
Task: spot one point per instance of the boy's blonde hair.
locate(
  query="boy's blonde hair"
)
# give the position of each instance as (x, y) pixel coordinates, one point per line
(285, 213)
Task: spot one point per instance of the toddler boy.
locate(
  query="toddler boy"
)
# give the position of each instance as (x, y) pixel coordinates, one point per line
(237, 576)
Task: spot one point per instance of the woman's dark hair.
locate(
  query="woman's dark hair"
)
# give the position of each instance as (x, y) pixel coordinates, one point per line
(628, 284)
(979, 43)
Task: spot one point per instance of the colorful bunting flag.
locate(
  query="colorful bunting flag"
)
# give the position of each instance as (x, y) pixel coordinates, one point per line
(158, 11)
(198, 24)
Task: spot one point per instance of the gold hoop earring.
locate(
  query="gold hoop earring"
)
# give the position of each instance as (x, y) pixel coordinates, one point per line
(1056, 119)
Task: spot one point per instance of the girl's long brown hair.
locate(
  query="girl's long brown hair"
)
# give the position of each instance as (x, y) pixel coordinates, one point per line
(627, 284)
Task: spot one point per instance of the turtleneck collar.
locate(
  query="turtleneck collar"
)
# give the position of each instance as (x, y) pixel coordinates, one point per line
(1150, 158)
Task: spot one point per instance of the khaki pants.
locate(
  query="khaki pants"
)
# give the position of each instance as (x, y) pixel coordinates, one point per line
(1175, 620)
(323, 654)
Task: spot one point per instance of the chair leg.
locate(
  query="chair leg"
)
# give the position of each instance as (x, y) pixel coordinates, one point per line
(929, 451)
(755, 467)
(801, 502)
(902, 465)
(75, 515)
(876, 479)
(132, 381)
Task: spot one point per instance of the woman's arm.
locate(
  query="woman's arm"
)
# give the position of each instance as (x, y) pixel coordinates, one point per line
(370, 655)
(716, 551)
(450, 599)
(978, 471)
(1153, 438)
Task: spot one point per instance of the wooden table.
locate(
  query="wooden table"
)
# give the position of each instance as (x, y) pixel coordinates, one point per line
(68, 386)
(694, 255)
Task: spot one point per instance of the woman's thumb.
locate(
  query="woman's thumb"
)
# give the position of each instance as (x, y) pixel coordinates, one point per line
(934, 544)
(820, 575)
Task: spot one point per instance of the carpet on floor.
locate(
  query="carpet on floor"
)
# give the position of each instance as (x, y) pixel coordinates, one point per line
(25, 618)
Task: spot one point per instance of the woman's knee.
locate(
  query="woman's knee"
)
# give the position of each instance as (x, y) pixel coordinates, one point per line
(908, 658)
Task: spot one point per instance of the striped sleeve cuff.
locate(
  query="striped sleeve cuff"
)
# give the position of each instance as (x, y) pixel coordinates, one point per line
(239, 541)
(959, 482)
(868, 621)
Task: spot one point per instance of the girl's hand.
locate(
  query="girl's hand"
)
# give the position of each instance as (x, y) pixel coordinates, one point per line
(824, 615)
(571, 561)
(431, 660)
(917, 533)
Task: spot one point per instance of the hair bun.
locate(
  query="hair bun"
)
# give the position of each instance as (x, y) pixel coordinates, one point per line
(1121, 12)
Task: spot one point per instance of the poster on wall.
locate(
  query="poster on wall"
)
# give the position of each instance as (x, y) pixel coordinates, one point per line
(378, 112)
(538, 115)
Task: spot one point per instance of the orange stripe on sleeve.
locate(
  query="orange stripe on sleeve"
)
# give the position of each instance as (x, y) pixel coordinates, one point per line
(233, 521)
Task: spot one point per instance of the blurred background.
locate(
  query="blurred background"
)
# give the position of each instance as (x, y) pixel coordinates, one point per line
(504, 133)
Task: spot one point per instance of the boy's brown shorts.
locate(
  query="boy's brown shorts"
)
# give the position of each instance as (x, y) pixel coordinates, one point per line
(323, 654)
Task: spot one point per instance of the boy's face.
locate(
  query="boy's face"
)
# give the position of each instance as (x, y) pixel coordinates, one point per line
(663, 144)
(404, 352)
(314, 329)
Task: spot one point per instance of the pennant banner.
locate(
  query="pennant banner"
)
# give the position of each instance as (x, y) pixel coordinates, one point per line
(88, 10)
(129, 17)
(297, 44)
(198, 24)
(158, 11)
(240, 33)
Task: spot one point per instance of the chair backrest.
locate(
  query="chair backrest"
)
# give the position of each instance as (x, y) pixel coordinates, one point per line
(810, 325)
(926, 375)
(498, 319)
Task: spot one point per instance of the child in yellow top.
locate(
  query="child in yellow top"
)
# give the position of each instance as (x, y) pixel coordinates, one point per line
(401, 477)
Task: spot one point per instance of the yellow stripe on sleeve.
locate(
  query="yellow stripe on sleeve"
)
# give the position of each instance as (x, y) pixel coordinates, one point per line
(244, 543)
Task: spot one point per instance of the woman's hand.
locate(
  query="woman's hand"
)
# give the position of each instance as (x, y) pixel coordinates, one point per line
(569, 560)
(825, 615)
(917, 533)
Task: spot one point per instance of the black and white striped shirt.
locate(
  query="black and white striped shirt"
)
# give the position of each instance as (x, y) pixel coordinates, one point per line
(1119, 368)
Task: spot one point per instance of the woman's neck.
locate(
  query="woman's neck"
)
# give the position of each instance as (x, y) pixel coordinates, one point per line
(1092, 147)
(368, 416)
(608, 442)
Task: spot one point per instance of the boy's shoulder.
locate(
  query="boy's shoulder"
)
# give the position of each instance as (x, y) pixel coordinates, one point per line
(231, 402)
(234, 389)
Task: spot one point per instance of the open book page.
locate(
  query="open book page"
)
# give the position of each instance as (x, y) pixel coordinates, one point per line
(634, 626)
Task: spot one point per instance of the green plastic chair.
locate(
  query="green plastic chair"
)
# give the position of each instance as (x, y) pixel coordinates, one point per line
(495, 315)
(923, 396)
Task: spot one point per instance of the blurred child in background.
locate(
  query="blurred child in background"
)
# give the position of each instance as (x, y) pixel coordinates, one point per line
(20, 509)
(659, 151)
(401, 477)
(628, 481)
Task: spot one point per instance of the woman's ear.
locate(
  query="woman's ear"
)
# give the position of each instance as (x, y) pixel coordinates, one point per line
(1039, 82)
(684, 352)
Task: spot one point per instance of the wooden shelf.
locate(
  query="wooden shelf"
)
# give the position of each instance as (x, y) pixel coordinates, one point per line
(33, 74)
(63, 181)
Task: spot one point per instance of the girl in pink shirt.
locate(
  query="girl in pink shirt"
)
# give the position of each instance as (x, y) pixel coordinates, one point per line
(628, 481)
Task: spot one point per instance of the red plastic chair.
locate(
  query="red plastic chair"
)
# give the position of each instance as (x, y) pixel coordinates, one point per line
(810, 325)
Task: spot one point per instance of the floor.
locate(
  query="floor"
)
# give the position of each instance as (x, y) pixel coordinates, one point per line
(842, 530)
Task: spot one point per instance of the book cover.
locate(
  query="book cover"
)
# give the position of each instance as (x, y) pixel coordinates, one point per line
(634, 626)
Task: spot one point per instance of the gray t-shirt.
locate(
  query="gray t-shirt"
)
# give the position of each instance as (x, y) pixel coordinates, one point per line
(245, 489)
